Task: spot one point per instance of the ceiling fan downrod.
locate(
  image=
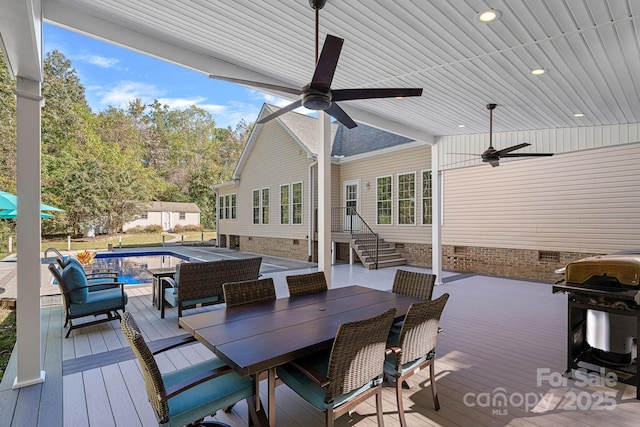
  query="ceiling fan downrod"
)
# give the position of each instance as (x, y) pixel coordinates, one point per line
(490, 107)
(317, 5)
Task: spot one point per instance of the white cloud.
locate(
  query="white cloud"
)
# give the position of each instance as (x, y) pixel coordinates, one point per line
(127, 91)
(100, 61)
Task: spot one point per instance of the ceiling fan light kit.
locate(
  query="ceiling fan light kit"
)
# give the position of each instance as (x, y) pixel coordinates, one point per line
(318, 95)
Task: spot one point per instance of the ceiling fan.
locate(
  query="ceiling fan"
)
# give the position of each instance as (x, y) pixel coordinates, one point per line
(493, 156)
(318, 94)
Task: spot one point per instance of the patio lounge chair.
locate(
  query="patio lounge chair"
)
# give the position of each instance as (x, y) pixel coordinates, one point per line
(200, 283)
(186, 396)
(413, 349)
(249, 292)
(79, 302)
(414, 284)
(302, 284)
(351, 373)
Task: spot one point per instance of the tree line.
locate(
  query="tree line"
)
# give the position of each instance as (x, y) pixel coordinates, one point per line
(99, 166)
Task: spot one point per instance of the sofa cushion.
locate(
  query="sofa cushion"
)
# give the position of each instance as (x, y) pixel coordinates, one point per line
(74, 282)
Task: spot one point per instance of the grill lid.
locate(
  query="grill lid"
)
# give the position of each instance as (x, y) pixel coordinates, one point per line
(607, 270)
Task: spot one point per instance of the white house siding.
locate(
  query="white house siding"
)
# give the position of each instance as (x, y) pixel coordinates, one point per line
(391, 163)
(582, 202)
(275, 159)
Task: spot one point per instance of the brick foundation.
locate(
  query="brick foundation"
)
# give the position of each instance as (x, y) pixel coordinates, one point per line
(504, 262)
(284, 248)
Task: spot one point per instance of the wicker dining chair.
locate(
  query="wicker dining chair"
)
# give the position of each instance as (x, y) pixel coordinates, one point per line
(337, 381)
(186, 396)
(310, 283)
(249, 292)
(414, 284)
(413, 349)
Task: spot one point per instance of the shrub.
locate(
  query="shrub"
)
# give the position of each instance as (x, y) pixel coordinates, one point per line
(187, 228)
(153, 228)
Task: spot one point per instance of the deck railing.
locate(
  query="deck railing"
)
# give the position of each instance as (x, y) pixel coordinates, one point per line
(348, 220)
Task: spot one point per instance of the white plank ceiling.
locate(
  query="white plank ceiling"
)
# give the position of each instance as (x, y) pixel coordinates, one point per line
(589, 48)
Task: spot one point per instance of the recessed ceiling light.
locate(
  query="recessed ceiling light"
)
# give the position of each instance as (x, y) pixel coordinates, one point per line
(578, 114)
(538, 71)
(460, 126)
(488, 15)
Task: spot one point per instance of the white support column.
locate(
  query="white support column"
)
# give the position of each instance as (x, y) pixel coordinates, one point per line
(28, 347)
(324, 195)
(436, 226)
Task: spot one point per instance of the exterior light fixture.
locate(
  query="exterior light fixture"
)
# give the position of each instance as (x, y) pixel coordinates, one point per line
(488, 15)
(538, 71)
(578, 114)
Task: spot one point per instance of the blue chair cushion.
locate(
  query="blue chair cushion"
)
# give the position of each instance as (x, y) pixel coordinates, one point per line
(206, 398)
(171, 296)
(390, 364)
(312, 392)
(100, 301)
(74, 282)
(72, 260)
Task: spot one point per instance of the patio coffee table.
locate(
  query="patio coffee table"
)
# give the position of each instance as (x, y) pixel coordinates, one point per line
(258, 337)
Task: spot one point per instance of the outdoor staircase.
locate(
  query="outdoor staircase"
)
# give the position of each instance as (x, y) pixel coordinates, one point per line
(387, 254)
(373, 252)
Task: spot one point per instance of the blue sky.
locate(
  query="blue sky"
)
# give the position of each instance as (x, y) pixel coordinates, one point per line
(113, 76)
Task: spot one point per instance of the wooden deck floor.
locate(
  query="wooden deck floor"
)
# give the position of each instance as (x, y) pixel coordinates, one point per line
(499, 364)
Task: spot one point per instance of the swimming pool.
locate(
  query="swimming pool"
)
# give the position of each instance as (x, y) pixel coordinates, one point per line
(132, 267)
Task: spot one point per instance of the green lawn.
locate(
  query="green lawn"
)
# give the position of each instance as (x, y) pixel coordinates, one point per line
(128, 240)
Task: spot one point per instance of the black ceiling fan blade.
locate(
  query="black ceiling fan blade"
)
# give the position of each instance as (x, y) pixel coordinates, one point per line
(327, 63)
(504, 151)
(340, 115)
(281, 111)
(527, 155)
(368, 93)
(278, 88)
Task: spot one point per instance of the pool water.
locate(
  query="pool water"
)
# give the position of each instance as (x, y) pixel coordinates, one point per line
(133, 269)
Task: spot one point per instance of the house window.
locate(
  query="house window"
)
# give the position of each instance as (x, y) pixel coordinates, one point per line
(221, 207)
(256, 206)
(227, 206)
(383, 200)
(145, 215)
(407, 198)
(284, 204)
(265, 206)
(234, 198)
(296, 189)
(427, 198)
(183, 215)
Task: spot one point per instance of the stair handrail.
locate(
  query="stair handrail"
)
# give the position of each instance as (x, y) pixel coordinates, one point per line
(358, 229)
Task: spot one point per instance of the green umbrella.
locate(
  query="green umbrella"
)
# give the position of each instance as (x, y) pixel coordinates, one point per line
(9, 205)
(13, 214)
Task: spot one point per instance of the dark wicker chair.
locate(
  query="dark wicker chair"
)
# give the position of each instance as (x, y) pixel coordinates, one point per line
(200, 283)
(80, 300)
(338, 381)
(413, 349)
(249, 292)
(302, 284)
(414, 284)
(187, 395)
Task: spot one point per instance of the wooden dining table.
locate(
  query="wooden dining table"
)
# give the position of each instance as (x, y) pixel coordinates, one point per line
(259, 337)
